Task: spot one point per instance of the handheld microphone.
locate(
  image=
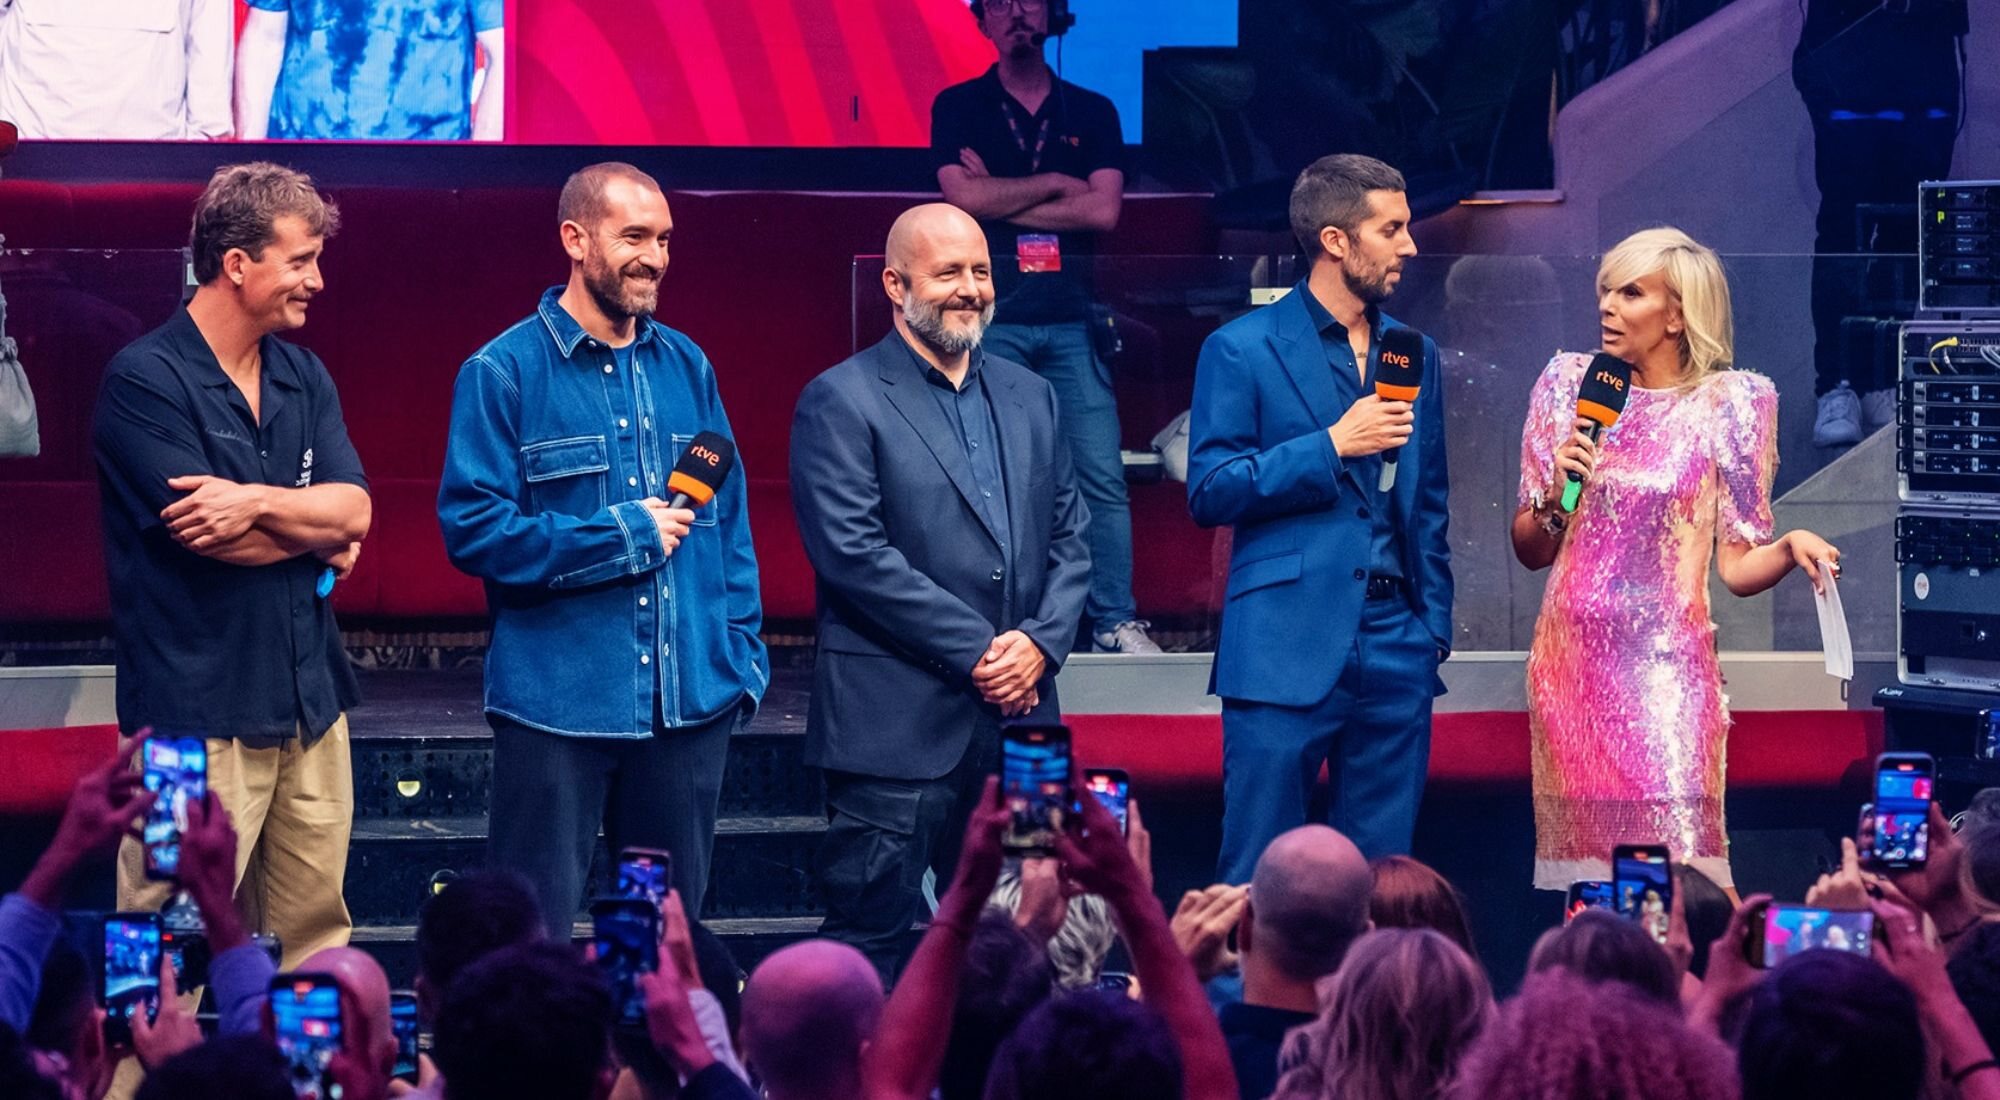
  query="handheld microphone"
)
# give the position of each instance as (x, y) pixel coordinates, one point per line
(702, 469)
(1606, 384)
(1399, 375)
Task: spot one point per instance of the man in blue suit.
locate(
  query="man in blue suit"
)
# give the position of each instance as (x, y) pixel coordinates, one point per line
(1338, 607)
(937, 504)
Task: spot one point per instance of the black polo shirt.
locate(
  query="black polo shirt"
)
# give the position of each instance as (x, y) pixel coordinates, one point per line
(1076, 133)
(204, 646)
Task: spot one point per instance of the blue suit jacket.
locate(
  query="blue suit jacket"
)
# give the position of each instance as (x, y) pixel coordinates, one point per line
(912, 584)
(1260, 459)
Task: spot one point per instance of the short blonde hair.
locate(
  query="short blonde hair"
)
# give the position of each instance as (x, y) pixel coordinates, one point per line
(1695, 281)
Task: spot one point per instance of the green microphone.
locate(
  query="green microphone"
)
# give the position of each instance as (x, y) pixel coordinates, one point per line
(1606, 384)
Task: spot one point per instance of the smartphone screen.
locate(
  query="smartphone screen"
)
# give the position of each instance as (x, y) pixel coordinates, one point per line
(305, 1018)
(1790, 929)
(1034, 780)
(1585, 893)
(1112, 788)
(403, 1019)
(1642, 886)
(131, 971)
(1903, 782)
(177, 769)
(627, 932)
(645, 873)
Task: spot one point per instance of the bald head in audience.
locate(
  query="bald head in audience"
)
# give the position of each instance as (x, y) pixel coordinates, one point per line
(808, 1013)
(1308, 903)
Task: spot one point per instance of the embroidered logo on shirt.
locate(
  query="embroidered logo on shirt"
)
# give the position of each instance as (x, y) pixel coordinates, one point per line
(305, 470)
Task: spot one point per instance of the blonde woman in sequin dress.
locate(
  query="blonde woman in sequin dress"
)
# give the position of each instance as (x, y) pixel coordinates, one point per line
(1625, 694)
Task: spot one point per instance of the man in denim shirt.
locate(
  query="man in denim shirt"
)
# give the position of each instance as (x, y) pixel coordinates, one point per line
(625, 643)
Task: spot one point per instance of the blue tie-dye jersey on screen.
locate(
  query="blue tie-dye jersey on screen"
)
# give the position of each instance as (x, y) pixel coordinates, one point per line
(378, 69)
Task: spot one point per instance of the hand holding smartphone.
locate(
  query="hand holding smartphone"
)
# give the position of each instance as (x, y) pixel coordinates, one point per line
(1113, 788)
(403, 1018)
(130, 972)
(1035, 787)
(627, 934)
(1642, 887)
(1790, 929)
(1904, 786)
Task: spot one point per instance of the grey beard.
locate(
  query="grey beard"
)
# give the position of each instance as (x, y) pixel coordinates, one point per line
(927, 321)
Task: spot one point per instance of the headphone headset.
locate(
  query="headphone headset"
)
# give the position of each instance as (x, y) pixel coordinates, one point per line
(1060, 19)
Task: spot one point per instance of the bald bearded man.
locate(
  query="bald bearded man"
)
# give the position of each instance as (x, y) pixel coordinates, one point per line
(808, 1013)
(939, 509)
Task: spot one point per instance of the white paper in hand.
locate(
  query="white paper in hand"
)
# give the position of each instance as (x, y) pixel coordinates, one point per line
(1833, 626)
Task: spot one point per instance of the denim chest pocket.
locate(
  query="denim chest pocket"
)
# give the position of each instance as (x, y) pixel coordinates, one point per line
(566, 476)
(705, 515)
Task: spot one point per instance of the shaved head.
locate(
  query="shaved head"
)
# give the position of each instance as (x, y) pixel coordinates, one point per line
(924, 230)
(807, 1012)
(366, 988)
(1309, 900)
(939, 276)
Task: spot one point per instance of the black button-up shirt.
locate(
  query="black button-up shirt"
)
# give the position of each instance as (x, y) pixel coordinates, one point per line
(1076, 132)
(970, 412)
(1385, 558)
(204, 646)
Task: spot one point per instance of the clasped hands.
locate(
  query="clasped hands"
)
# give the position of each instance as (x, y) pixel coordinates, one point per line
(1007, 673)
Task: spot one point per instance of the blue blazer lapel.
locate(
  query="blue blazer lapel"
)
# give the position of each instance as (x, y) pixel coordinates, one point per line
(1015, 417)
(907, 392)
(1299, 351)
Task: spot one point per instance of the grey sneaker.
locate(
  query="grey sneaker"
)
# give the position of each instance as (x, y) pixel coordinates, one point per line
(1838, 423)
(1878, 408)
(1127, 637)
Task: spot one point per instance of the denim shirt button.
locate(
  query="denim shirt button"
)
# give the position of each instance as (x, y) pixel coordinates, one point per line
(642, 601)
(632, 481)
(645, 658)
(607, 368)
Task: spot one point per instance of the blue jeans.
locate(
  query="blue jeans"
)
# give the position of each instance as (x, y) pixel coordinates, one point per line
(1065, 355)
(1373, 733)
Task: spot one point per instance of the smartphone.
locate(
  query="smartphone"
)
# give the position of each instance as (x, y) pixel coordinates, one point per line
(627, 933)
(1903, 786)
(1113, 788)
(1034, 781)
(306, 1021)
(1989, 733)
(184, 938)
(646, 873)
(403, 1021)
(177, 769)
(1642, 886)
(1790, 929)
(1585, 893)
(130, 972)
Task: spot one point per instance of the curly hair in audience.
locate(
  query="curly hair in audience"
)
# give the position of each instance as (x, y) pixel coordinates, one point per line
(1603, 947)
(1088, 1045)
(1078, 948)
(1567, 1038)
(1831, 1025)
(1409, 894)
(1004, 977)
(1394, 1021)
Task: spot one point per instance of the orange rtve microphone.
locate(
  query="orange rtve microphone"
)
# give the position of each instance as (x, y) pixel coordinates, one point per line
(702, 469)
(1399, 375)
(1607, 382)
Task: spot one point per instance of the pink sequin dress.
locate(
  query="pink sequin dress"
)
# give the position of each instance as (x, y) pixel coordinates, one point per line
(1625, 697)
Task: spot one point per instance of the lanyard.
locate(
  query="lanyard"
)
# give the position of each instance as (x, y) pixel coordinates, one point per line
(1021, 139)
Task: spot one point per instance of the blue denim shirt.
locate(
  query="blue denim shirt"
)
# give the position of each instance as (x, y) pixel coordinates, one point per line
(553, 446)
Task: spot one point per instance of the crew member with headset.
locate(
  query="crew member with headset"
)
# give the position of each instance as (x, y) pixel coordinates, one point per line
(1041, 163)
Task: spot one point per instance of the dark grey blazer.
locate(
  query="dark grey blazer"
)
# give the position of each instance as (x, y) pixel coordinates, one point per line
(912, 583)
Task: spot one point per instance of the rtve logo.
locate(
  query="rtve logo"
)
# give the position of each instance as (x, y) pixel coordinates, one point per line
(1611, 380)
(705, 455)
(1396, 359)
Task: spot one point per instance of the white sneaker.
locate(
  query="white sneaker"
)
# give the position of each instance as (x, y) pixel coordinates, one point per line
(1127, 637)
(1838, 422)
(1878, 408)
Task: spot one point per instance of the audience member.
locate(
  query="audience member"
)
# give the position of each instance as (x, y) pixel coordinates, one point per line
(1077, 930)
(367, 1056)
(1005, 976)
(1831, 1025)
(532, 1021)
(20, 1076)
(1409, 894)
(1308, 902)
(1974, 969)
(1601, 946)
(809, 1011)
(1565, 1037)
(240, 1067)
(1394, 1021)
(685, 1023)
(1088, 1045)
(1706, 910)
(67, 1028)
(474, 915)
(101, 810)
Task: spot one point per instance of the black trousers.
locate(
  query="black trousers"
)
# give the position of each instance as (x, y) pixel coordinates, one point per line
(551, 793)
(881, 835)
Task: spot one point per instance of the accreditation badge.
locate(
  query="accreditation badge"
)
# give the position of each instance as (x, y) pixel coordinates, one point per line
(1038, 252)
